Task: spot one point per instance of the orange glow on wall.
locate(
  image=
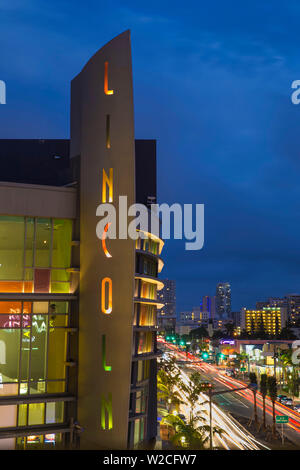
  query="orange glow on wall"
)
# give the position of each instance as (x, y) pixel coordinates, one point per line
(106, 304)
(107, 254)
(107, 181)
(106, 90)
(10, 307)
(16, 286)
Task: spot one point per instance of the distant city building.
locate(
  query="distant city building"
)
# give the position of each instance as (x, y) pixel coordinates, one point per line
(209, 306)
(290, 301)
(269, 320)
(218, 324)
(184, 329)
(236, 318)
(186, 317)
(167, 296)
(293, 306)
(193, 319)
(201, 316)
(271, 302)
(223, 300)
(237, 331)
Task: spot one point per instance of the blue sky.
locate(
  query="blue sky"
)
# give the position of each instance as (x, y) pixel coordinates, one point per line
(212, 83)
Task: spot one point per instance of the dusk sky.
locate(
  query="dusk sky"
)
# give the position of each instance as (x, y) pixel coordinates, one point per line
(212, 83)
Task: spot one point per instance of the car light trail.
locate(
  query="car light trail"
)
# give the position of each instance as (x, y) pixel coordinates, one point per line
(229, 382)
(234, 437)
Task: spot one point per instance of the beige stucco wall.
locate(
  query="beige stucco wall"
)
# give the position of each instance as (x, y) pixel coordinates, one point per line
(37, 201)
(89, 107)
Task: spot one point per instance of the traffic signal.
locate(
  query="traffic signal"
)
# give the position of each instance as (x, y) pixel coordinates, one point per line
(205, 355)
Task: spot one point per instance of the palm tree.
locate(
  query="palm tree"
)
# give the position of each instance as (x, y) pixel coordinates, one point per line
(190, 435)
(253, 381)
(169, 365)
(264, 391)
(272, 387)
(166, 384)
(192, 391)
(286, 361)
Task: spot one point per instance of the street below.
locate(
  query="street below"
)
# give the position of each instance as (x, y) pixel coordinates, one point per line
(239, 404)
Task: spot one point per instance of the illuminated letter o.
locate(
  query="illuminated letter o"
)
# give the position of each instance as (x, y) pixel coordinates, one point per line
(106, 305)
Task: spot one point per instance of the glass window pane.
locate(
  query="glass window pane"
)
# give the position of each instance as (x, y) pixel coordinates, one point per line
(36, 413)
(27, 307)
(136, 439)
(37, 387)
(55, 412)
(142, 429)
(56, 353)
(8, 389)
(40, 307)
(60, 275)
(138, 399)
(145, 342)
(56, 387)
(22, 415)
(59, 307)
(58, 321)
(25, 349)
(32, 442)
(42, 243)
(39, 346)
(11, 247)
(28, 274)
(60, 287)
(146, 369)
(9, 354)
(51, 440)
(23, 388)
(28, 281)
(11, 286)
(29, 242)
(140, 371)
(55, 311)
(62, 237)
(8, 416)
(10, 314)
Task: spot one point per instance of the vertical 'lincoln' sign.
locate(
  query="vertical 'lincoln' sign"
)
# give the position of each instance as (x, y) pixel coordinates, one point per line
(106, 283)
(102, 137)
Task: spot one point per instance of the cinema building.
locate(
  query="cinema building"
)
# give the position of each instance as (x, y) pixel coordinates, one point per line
(77, 313)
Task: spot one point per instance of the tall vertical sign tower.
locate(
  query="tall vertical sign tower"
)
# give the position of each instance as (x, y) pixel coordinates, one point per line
(102, 140)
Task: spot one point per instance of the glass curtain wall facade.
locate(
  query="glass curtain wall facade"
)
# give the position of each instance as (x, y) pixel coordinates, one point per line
(142, 418)
(35, 255)
(35, 258)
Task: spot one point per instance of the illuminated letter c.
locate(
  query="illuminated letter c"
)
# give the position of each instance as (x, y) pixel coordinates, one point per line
(107, 254)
